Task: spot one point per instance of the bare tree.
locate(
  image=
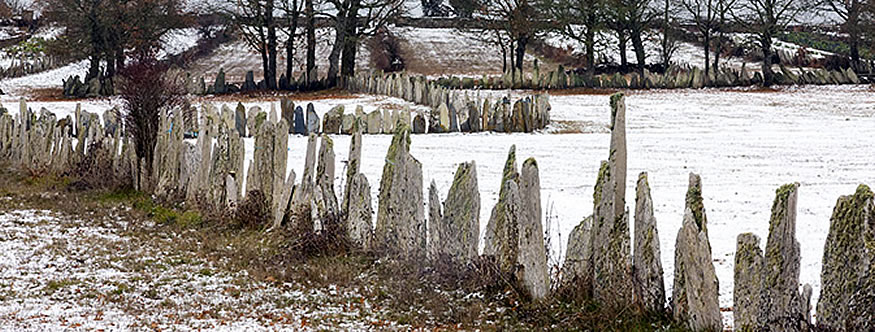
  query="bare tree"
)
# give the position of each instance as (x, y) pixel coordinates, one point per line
(669, 43)
(630, 19)
(578, 20)
(351, 28)
(292, 10)
(855, 19)
(704, 16)
(724, 9)
(256, 22)
(519, 20)
(767, 18)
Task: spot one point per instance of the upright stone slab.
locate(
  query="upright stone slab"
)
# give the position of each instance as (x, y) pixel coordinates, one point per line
(352, 167)
(328, 206)
(577, 269)
(611, 256)
(458, 226)
(748, 283)
(346, 125)
(287, 110)
(312, 119)
(847, 294)
(359, 215)
(240, 119)
(532, 252)
(300, 122)
(694, 295)
(401, 226)
(435, 223)
(650, 289)
(781, 303)
(375, 122)
(333, 119)
(419, 126)
(502, 231)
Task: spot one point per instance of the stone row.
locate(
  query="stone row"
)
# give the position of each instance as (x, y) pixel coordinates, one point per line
(455, 110)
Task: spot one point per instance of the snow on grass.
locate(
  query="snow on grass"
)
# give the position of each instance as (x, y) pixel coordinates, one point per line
(59, 273)
(177, 41)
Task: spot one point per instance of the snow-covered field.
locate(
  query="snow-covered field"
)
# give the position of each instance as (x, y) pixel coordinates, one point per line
(744, 144)
(58, 273)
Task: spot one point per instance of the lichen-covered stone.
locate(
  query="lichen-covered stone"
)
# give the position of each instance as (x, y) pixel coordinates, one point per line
(577, 268)
(375, 122)
(331, 123)
(401, 228)
(694, 294)
(419, 126)
(360, 213)
(435, 221)
(532, 251)
(781, 304)
(748, 283)
(458, 226)
(847, 294)
(646, 259)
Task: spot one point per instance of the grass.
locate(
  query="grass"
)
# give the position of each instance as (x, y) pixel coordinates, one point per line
(419, 294)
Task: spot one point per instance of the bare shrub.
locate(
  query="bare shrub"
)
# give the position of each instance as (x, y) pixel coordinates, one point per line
(147, 91)
(253, 212)
(96, 171)
(386, 51)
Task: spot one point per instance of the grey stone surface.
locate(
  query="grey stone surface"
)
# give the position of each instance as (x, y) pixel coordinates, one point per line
(458, 226)
(332, 121)
(748, 283)
(401, 227)
(694, 294)
(650, 287)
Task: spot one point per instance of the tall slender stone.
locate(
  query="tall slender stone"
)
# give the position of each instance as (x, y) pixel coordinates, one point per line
(694, 295)
(748, 283)
(532, 252)
(781, 304)
(457, 228)
(646, 260)
(360, 214)
(577, 267)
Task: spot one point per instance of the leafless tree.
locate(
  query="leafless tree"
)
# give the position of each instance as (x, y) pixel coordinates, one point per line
(855, 17)
(518, 20)
(355, 20)
(578, 20)
(257, 25)
(767, 18)
(724, 9)
(630, 19)
(669, 42)
(704, 16)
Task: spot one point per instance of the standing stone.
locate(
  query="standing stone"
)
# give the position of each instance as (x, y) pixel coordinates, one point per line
(328, 206)
(302, 212)
(390, 117)
(502, 231)
(332, 122)
(419, 124)
(438, 120)
(454, 118)
(375, 122)
(748, 283)
(219, 86)
(611, 257)
(352, 167)
(576, 270)
(230, 192)
(312, 119)
(474, 121)
(458, 227)
(646, 259)
(781, 304)
(240, 120)
(250, 123)
(694, 295)
(360, 213)
(300, 122)
(847, 295)
(532, 251)
(400, 219)
(249, 83)
(346, 125)
(435, 222)
(287, 112)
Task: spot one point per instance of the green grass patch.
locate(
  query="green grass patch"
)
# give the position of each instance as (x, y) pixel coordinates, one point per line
(55, 285)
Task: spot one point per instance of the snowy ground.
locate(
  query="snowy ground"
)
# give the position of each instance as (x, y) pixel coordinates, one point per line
(744, 144)
(58, 273)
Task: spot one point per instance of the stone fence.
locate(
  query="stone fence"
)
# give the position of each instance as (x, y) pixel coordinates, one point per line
(599, 260)
(456, 110)
(675, 77)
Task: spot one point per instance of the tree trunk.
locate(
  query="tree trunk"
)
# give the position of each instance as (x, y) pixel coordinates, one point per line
(638, 45)
(590, 50)
(521, 53)
(290, 45)
(350, 42)
(718, 47)
(766, 44)
(334, 56)
(854, 45)
(270, 74)
(666, 53)
(311, 42)
(621, 36)
(707, 41)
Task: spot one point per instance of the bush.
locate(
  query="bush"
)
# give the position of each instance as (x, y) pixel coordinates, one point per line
(253, 212)
(147, 91)
(386, 51)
